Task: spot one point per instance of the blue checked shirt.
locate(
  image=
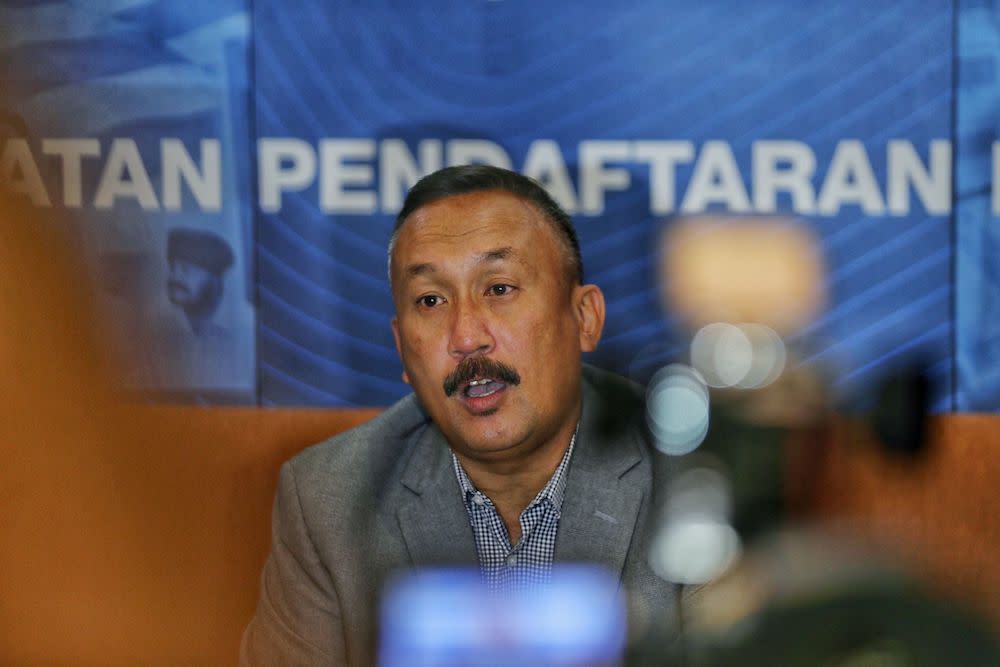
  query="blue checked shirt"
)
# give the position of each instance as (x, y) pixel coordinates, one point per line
(506, 567)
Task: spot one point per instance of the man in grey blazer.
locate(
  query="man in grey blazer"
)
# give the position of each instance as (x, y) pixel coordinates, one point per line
(510, 454)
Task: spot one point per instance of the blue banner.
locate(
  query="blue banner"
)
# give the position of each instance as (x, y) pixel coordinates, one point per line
(235, 168)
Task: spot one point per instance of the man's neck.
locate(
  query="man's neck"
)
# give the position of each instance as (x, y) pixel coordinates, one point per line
(511, 486)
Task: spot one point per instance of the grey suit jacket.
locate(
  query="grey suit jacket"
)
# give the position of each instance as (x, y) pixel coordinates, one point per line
(384, 497)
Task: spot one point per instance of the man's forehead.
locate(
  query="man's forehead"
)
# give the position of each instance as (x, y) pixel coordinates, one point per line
(472, 224)
(487, 257)
(474, 212)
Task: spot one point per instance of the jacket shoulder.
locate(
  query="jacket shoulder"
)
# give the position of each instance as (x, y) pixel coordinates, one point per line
(612, 385)
(615, 401)
(364, 456)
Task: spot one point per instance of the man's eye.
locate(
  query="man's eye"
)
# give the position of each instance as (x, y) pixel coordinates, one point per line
(500, 290)
(429, 301)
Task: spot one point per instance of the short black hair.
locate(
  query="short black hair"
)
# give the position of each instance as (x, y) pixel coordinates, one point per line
(464, 179)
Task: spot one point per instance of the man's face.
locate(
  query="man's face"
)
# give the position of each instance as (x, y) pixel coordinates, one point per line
(190, 285)
(483, 300)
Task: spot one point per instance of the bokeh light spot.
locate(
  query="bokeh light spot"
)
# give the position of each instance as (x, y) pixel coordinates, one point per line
(677, 409)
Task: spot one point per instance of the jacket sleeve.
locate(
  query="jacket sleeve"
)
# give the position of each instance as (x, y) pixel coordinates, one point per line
(298, 616)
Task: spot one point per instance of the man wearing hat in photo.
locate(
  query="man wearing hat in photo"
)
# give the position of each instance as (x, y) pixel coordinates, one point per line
(197, 261)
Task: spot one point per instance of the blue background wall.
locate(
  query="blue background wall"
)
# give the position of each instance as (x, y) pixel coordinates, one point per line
(306, 308)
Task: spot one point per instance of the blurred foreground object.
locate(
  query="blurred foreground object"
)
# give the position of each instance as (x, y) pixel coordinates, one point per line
(740, 289)
(758, 437)
(130, 535)
(802, 598)
(743, 288)
(66, 587)
(447, 618)
(696, 542)
(937, 516)
(729, 269)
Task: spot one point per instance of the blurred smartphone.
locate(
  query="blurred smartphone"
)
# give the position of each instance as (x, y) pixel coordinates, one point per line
(447, 618)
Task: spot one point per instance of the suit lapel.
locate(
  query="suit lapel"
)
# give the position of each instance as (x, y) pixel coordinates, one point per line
(432, 516)
(605, 490)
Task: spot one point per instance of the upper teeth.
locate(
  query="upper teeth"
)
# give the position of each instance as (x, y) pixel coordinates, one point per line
(475, 383)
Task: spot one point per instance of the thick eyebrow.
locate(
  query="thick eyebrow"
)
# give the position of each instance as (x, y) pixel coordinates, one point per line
(494, 255)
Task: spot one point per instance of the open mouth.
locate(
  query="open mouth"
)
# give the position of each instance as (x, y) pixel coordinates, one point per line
(481, 384)
(482, 396)
(479, 377)
(483, 387)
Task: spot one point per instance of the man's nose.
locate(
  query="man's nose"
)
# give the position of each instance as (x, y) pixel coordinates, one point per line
(470, 330)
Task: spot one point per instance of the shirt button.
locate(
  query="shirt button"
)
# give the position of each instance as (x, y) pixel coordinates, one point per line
(512, 559)
(478, 499)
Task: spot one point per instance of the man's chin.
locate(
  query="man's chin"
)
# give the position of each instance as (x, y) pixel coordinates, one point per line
(486, 449)
(486, 437)
(476, 426)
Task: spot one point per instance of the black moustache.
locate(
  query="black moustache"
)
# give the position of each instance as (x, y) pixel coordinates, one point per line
(479, 367)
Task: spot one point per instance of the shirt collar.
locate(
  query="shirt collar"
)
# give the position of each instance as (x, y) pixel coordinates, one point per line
(554, 490)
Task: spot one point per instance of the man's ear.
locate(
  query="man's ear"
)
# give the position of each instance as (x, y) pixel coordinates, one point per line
(588, 306)
(399, 349)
